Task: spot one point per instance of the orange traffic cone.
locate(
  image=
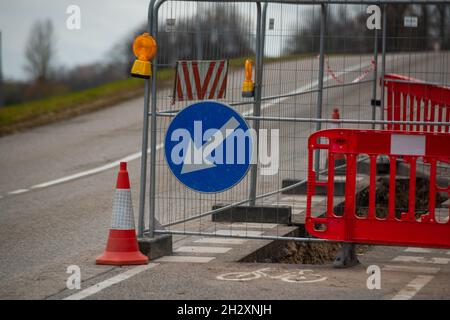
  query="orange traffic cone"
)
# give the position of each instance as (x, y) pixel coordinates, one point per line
(122, 247)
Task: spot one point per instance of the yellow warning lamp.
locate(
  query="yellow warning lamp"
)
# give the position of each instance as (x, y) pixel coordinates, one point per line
(144, 48)
(248, 89)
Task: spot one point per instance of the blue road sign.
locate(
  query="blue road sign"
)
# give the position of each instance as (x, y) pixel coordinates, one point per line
(208, 146)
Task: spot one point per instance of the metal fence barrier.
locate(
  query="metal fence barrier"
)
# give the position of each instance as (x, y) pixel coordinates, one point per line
(310, 57)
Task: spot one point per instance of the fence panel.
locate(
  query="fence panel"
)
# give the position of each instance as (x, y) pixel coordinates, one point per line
(308, 59)
(411, 99)
(391, 224)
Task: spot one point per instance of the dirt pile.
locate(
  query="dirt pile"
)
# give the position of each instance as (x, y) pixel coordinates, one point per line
(401, 197)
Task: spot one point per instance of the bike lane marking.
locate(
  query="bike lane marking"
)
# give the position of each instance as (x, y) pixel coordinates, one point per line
(297, 276)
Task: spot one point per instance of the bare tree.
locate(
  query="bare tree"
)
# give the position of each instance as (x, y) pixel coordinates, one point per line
(40, 51)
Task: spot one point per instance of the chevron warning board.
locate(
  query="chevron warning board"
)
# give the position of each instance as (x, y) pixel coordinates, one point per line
(200, 80)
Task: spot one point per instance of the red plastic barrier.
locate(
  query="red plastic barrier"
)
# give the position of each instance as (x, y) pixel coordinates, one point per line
(410, 99)
(406, 230)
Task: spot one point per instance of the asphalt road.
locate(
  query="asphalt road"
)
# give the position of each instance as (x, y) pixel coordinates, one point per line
(46, 227)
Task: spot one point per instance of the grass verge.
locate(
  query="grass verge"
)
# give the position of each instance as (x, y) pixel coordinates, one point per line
(29, 114)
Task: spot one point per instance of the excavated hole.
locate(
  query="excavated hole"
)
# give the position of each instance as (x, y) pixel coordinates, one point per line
(295, 252)
(401, 198)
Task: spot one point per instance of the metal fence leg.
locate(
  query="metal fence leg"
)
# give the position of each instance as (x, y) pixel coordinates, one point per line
(383, 61)
(260, 33)
(143, 181)
(323, 21)
(375, 74)
(346, 257)
(153, 134)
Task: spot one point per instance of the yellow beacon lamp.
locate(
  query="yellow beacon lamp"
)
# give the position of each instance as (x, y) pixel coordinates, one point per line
(248, 86)
(144, 48)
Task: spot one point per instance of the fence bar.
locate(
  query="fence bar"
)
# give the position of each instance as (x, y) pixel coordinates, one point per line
(268, 194)
(212, 234)
(340, 121)
(383, 60)
(316, 2)
(260, 33)
(153, 136)
(323, 21)
(375, 73)
(143, 180)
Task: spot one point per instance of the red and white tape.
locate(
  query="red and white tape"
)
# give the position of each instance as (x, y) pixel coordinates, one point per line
(364, 74)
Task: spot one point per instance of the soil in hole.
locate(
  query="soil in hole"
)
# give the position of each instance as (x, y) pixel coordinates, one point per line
(306, 253)
(401, 198)
(297, 252)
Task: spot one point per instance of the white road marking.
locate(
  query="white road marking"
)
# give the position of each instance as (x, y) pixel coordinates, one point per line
(109, 282)
(302, 198)
(411, 269)
(220, 241)
(421, 259)
(19, 191)
(137, 155)
(417, 250)
(292, 205)
(411, 289)
(198, 249)
(239, 233)
(253, 225)
(99, 169)
(188, 259)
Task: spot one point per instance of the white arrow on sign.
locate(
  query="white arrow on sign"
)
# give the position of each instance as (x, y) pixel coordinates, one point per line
(217, 138)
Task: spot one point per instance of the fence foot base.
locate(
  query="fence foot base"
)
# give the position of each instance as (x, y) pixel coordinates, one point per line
(156, 247)
(346, 257)
(256, 214)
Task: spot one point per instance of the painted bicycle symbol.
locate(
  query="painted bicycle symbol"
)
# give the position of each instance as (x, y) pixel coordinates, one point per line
(297, 276)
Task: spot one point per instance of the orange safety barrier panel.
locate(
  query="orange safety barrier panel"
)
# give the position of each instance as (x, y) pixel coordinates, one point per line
(406, 229)
(410, 99)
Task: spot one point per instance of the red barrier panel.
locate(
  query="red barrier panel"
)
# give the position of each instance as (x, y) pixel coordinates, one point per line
(410, 99)
(406, 229)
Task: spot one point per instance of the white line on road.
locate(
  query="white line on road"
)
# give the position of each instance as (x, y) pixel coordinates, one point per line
(239, 233)
(411, 269)
(417, 250)
(220, 241)
(421, 259)
(198, 249)
(82, 174)
(109, 282)
(411, 289)
(19, 191)
(298, 211)
(253, 225)
(137, 155)
(188, 259)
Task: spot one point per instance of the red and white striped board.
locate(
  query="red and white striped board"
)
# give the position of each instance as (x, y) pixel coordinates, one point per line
(200, 80)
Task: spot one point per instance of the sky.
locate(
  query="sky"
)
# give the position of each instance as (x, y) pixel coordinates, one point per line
(103, 24)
